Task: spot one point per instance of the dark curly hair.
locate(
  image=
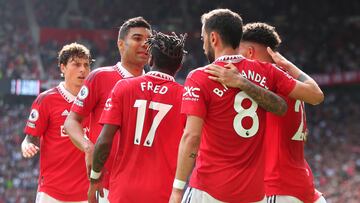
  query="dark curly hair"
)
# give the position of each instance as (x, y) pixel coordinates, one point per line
(261, 33)
(167, 51)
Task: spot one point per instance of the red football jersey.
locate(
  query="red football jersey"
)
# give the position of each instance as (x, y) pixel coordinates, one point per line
(230, 161)
(147, 109)
(91, 101)
(287, 172)
(62, 165)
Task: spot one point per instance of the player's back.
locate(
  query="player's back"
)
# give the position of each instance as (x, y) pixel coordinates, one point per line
(230, 162)
(287, 171)
(151, 129)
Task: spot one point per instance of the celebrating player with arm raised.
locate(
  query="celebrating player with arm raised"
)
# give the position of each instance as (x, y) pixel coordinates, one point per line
(225, 126)
(288, 177)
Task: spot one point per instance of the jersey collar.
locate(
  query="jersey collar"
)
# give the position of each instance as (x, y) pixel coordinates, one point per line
(161, 75)
(123, 72)
(230, 58)
(65, 94)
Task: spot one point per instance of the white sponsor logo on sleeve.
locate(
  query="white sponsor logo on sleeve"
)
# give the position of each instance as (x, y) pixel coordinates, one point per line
(191, 93)
(79, 103)
(84, 92)
(34, 115)
(108, 105)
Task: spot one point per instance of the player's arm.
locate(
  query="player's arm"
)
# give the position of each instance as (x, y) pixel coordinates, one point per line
(306, 89)
(103, 146)
(30, 146)
(230, 76)
(188, 149)
(101, 153)
(74, 129)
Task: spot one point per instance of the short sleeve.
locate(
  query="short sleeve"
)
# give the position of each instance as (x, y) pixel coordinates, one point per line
(86, 98)
(194, 98)
(284, 83)
(38, 120)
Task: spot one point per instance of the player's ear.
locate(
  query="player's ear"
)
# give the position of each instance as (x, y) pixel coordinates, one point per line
(62, 68)
(213, 38)
(120, 44)
(251, 52)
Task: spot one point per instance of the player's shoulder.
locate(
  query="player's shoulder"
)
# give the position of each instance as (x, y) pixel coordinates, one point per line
(197, 72)
(100, 72)
(258, 63)
(278, 68)
(126, 82)
(46, 95)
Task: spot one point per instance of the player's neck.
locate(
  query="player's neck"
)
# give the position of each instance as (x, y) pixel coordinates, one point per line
(264, 58)
(73, 89)
(261, 53)
(162, 70)
(226, 51)
(134, 69)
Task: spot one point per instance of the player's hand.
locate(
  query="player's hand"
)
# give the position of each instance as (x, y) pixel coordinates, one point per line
(89, 152)
(176, 196)
(227, 75)
(29, 149)
(95, 189)
(279, 59)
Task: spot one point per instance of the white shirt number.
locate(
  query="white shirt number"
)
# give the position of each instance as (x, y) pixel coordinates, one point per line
(242, 113)
(162, 109)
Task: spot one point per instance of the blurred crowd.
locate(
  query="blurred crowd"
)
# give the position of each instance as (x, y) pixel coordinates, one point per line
(333, 147)
(18, 176)
(319, 42)
(318, 36)
(17, 48)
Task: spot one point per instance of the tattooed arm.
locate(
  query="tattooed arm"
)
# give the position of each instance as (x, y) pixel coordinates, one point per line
(188, 149)
(231, 77)
(30, 146)
(103, 146)
(306, 88)
(265, 98)
(101, 153)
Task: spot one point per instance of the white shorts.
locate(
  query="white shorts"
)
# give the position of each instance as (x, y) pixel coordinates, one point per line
(105, 198)
(42, 197)
(290, 199)
(193, 195)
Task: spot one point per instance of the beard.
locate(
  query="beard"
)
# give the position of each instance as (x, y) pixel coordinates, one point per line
(210, 54)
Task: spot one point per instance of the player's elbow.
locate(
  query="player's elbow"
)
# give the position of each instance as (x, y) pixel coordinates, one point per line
(71, 120)
(317, 97)
(191, 139)
(67, 124)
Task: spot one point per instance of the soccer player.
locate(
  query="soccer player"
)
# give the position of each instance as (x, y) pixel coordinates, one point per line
(225, 127)
(62, 175)
(288, 177)
(146, 109)
(92, 97)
